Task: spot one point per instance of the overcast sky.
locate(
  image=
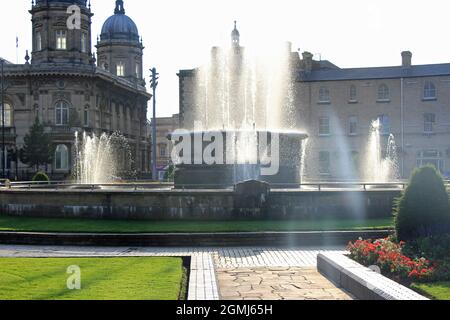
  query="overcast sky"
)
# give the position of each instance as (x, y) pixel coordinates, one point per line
(178, 34)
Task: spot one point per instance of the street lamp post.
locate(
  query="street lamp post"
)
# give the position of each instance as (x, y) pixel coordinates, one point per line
(153, 84)
(3, 120)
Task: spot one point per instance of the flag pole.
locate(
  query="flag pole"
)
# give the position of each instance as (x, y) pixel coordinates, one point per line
(17, 50)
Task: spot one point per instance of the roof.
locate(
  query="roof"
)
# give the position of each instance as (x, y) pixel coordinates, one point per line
(78, 2)
(119, 26)
(5, 61)
(337, 74)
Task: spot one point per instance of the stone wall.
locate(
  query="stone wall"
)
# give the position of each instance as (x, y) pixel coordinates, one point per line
(192, 204)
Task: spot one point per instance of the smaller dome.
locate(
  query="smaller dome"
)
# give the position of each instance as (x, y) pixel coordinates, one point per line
(119, 26)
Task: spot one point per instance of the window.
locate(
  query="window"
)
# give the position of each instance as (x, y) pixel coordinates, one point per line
(383, 93)
(163, 151)
(62, 157)
(120, 69)
(61, 40)
(324, 95)
(83, 42)
(38, 41)
(6, 158)
(86, 116)
(324, 162)
(353, 93)
(385, 124)
(62, 113)
(429, 121)
(433, 157)
(353, 126)
(138, 70)
(8, 115)
(324, 126)
(429, 91)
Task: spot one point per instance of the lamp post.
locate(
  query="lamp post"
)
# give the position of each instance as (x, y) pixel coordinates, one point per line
(2, 62)
(153, 84)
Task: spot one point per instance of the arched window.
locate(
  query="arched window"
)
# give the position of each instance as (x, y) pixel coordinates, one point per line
(62, 157)
(120, 69)
(8, 115)
(383, 93)
(429, 91)
(324, 94)
(62, 113)
(353, 93)
(38, 41)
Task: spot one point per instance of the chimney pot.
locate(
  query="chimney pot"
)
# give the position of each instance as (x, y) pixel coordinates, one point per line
(406, 59)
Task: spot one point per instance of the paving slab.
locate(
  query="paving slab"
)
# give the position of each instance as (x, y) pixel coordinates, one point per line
(269, 284)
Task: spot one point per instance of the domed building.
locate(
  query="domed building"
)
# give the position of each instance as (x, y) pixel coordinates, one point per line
(63, 84)
(119, 48)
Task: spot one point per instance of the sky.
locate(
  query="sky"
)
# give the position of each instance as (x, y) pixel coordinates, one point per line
(178, 34)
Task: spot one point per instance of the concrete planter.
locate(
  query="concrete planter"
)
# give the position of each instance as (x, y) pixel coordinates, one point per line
(362, 282)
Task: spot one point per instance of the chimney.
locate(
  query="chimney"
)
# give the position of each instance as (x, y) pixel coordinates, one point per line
(307, 61)
(406, 59)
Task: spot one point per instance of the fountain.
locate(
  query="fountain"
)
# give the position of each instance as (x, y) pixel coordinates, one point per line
(246, 100)
(381, 167)
(97, 158)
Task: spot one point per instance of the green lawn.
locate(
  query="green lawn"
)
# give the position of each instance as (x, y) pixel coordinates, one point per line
(101, 279)
(122, 226)
(437, 291)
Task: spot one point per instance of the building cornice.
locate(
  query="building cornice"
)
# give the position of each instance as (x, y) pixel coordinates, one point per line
(73, 70)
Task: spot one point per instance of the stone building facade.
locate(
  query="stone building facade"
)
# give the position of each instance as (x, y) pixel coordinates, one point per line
(62, 85)
(336, 108)
(164, 127)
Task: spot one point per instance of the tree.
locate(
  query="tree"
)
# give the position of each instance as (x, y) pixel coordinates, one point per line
(37, 149)
(423, 210)
(170, 173)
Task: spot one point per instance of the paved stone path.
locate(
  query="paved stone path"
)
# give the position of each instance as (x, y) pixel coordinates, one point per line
(254, 263)
(277, 284)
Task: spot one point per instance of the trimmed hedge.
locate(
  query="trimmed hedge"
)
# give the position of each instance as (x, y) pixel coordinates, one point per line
(424, 209)
(41, 177)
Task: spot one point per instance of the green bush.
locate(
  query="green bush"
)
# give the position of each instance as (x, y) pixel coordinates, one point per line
(41, 177)
(432, 248)
(169, 175)
(424, 209)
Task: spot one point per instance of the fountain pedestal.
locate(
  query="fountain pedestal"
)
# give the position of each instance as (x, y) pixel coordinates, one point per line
(271, 157)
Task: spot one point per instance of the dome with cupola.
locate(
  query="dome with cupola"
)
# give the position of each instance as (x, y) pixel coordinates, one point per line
(119, 26)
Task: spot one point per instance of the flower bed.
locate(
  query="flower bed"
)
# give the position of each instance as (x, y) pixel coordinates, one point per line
(388, 256)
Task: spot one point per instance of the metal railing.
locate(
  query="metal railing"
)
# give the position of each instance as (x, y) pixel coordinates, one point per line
(133, 185)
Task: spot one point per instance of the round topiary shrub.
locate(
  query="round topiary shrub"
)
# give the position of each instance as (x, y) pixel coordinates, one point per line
(41, 177)
(424, 209)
